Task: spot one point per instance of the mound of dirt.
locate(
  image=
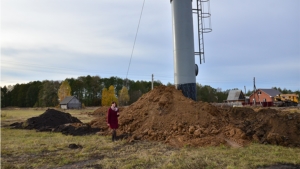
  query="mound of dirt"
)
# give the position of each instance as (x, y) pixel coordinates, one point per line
(165, 114)
(57, 121)
(100, 120)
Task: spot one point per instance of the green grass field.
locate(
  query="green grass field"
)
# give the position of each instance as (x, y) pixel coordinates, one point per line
(31, 149)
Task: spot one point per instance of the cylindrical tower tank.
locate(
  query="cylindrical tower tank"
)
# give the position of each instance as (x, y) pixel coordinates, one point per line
(183, 47)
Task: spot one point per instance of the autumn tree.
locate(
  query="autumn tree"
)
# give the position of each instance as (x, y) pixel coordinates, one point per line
(104, 100)
(64, 90)
(123, 96)
(108, 96)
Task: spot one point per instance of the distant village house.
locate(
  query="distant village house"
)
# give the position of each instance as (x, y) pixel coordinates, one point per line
(263, 97)
(236, 98)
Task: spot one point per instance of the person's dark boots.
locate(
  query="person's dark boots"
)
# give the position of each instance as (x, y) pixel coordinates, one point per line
(114, 135)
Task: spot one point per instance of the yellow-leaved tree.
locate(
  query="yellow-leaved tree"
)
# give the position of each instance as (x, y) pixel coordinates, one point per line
(64, 90)
(108, 96)
(123, 96)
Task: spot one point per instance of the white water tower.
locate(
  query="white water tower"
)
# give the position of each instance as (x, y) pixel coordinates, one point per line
(185, 69)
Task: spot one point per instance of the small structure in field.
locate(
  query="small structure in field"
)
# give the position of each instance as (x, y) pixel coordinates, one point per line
(70, 102)
(235, 98)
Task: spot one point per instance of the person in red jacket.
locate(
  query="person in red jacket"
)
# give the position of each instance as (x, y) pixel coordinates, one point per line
(112, 119)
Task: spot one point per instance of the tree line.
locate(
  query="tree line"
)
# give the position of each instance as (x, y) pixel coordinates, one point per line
(88, 89)
(95, 91)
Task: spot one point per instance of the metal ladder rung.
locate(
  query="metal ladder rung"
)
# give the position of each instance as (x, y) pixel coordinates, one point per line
(200, 15)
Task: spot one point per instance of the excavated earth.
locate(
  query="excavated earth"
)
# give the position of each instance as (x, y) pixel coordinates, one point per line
(164, 114)
(57, 121)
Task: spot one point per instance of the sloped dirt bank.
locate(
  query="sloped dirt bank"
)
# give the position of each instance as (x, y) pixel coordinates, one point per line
(164, 114)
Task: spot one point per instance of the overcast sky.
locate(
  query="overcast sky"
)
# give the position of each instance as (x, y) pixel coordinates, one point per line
(59, 39)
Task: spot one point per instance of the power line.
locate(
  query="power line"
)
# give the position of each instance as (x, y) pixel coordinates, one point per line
(135, 38)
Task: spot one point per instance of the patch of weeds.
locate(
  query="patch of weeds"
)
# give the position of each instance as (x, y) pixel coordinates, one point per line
(223, 147)
(3, 115)
(64, 161)
(296, 111)
(136, 163)
(24, 124)
(10, 166)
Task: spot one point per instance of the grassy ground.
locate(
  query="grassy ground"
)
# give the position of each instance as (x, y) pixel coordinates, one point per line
(31, 149)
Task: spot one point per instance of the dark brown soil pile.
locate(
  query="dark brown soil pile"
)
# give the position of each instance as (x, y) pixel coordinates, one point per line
(164, 114)
(76, 129)
(57, 121)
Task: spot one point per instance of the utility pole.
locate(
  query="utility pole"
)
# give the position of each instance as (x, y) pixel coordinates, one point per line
(254, 89)
(152, 82)
(245, 95)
